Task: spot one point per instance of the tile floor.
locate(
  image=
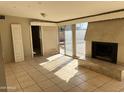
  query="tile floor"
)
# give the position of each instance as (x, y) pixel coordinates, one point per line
(57, 73)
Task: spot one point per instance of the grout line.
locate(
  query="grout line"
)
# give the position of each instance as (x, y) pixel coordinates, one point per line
(49, 79)
(103, 84)
(57, 85)
(32, 78)
(93, 78)
(16, 78)
(34, 66)
(28, 75)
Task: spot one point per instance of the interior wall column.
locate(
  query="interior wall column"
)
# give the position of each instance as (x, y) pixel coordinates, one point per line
(74, 40)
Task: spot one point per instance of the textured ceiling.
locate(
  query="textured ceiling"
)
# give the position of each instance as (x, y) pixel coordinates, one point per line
(57, 10)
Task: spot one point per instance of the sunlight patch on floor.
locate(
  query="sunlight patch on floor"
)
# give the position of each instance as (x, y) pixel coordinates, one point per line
(64, 67)
(68, 71)
(52, 65)
(54, 57)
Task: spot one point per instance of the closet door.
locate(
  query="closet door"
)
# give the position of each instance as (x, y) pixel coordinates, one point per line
(17, 42)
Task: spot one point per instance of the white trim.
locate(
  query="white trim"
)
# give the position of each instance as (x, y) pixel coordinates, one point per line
(31, 41)
(95, 18)
(43, 51)
(35, 23)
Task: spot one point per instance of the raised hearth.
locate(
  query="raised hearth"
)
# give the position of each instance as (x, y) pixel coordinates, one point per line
(113, 70)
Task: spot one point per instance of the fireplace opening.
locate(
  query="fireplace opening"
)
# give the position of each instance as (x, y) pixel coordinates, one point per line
(105, 51)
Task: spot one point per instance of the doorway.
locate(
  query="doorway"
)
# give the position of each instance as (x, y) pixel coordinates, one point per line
(36, 41)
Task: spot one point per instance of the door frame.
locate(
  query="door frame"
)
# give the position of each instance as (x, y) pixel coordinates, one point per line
(59, 39)
(41, 39)
(41, 25)
(31, 41)
(73, 30)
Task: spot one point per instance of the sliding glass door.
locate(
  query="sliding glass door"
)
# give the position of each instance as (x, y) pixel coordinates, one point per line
(67, 37)
(68, 40)
(81, 29)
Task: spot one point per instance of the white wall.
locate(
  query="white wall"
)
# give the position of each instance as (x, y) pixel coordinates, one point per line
(49, 39)
(6, 37)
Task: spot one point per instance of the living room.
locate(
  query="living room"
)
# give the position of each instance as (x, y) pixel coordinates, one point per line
(61, 46)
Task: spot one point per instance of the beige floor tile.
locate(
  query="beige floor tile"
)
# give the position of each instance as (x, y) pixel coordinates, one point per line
(39, 78)
(33, 71)
(65, 86)
(100, 90)
(50, 75)
(86, 76)
(53, 89)
(97, 81)
(21, 74)
(46, 84)
(9, 75)
(75, 89)
(43, 70)
(17, 70)
(105, 90)
(103, 77)
(82, 70)
(86, 87)
(10, 78)
(78, 73)
(57, 80)
(12, 89)
(7, 66)
(11, 81)
(25, 82)
(33, 88)
(121, 90)
(26, 75)
(29, 69)
(13, 86)
(112, 86)
(76, 81)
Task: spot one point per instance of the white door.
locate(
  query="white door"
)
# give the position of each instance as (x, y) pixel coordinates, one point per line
(17, 42)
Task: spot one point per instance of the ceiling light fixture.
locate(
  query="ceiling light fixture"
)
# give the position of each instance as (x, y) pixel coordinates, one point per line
(43, 14)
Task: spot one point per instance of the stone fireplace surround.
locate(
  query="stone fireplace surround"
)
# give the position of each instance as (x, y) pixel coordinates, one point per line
(105, 31)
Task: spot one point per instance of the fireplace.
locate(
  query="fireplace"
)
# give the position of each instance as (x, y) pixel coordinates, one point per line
(105, 51)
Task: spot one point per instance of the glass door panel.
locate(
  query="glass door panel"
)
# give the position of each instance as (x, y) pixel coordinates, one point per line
(80, 42)
(68, 40)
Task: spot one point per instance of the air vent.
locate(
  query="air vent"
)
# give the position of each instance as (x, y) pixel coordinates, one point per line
(2, 17)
